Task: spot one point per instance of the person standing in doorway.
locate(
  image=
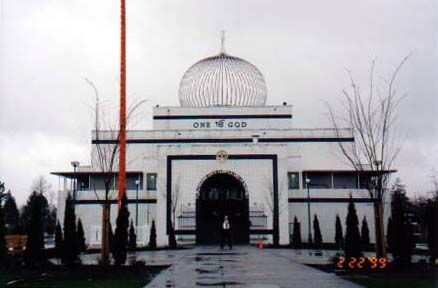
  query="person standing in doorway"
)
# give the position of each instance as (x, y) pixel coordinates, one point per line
(226, 233)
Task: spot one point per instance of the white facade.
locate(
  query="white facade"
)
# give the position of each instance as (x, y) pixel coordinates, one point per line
(256, 145)
(185, 132)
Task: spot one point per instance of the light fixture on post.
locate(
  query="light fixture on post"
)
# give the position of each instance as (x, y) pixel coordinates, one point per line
(148, 204)
(75, 165)
(309, 238)
(137, 184)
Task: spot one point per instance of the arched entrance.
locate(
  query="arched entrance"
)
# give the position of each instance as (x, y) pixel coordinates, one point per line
(222, 193)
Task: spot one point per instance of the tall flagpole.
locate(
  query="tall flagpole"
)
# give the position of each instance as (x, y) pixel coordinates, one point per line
(122, 115)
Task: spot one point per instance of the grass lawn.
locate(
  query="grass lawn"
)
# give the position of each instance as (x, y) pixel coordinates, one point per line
(83, 277)
(5, 278)
(74, 283)
(415, 276)
(394, 282)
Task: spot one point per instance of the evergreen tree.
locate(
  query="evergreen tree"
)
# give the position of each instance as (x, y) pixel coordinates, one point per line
(35, 207)
(132, 238)
(121, 234)
(172, 238)
(111, 238)
(153, 236)
(339, 235)
(42, 187)
(389, 233)
(51, 221)
(365, 235)
(2, 236)
(3, 250)
(11, 215)
(317, 233)
(81, 237)
(70, 247)
(431, 227)
(26, 213)
(58, 240)
(296, 236)
(403, 242)
(352, 236)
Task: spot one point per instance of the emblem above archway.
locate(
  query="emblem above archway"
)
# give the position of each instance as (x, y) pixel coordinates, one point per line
(222, 156)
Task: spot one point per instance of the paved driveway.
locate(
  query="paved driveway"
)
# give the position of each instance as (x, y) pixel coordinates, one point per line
(243, 267)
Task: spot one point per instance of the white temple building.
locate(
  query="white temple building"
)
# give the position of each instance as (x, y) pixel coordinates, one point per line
(223, 151)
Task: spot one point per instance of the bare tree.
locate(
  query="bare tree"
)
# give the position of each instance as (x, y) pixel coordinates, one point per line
(434, 180)
(269, 195)
(372, 116)
(41, 186)
(270, 200)
(174, 205)
(2, 192)
(176, 193)
(105, 161)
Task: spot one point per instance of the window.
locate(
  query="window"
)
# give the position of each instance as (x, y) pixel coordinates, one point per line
(151, 181)
(83, 184)
(293, 182)
(98, 182)
(131, 182)
(345, 180)
(366, 181)
(318, 180)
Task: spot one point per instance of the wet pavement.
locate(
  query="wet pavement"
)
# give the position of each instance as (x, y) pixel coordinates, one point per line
(243, 266)
(154, 257)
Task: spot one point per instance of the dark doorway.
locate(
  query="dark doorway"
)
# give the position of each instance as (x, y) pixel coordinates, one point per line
(222, 194)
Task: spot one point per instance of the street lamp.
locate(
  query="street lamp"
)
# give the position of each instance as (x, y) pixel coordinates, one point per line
(137, 183)
(309, 239)
(148, 203)
(75, 165)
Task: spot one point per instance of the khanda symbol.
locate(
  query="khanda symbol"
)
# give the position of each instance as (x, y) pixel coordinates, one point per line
(220, 123)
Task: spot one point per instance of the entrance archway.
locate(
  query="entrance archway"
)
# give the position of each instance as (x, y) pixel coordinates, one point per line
(222, 193)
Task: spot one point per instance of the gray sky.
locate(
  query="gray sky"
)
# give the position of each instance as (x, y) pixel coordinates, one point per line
(303, 49)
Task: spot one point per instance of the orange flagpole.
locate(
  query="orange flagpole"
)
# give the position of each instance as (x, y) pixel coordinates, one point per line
(122, 115)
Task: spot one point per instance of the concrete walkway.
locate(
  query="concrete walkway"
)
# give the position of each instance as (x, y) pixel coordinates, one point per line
(243, 267)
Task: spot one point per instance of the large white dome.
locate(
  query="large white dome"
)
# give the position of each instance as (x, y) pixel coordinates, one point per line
(222, 80)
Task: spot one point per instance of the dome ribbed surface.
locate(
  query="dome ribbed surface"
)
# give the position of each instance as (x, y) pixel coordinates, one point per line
(222, 80)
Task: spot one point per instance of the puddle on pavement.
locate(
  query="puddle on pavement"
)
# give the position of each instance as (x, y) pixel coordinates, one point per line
(169, 284)
(217, 284)
(219, 253)
(211, 264)
(204, 271)
(229, 260)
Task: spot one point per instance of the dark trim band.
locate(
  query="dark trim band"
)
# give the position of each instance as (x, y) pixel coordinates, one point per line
(330, 200)
(231, 156)
(232, 116)
(100, 202)
(251, 232)
(225, 140)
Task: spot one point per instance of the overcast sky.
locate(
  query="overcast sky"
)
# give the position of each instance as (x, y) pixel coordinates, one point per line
(303, 49)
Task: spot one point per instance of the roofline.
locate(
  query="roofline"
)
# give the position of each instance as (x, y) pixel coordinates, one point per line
(228, 130)
(71, 174)
(351, 171)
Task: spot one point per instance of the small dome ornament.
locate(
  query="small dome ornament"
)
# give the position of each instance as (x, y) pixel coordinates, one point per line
(222, 80)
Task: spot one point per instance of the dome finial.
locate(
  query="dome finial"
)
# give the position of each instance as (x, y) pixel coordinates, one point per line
(223, 42)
